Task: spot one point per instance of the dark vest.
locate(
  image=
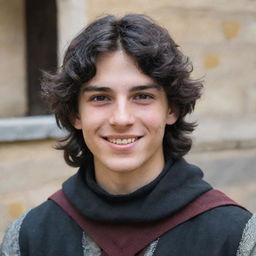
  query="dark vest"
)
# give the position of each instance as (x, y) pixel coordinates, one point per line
(48, 231)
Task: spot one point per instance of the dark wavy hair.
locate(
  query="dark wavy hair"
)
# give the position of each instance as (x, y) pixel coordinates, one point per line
(155, 53)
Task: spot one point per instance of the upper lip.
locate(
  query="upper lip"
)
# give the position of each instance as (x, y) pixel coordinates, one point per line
(119, 136)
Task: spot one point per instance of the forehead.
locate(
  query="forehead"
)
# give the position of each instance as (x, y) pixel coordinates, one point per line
(118, 69)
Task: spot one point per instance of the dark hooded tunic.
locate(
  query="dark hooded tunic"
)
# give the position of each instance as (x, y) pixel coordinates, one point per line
(48, 231)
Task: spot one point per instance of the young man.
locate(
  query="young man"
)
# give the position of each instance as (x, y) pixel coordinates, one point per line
(123, 93)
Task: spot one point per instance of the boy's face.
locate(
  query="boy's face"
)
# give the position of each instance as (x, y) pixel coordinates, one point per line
(123, 114)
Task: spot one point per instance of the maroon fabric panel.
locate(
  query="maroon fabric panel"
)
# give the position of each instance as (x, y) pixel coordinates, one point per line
(142, 252)
(130, 239)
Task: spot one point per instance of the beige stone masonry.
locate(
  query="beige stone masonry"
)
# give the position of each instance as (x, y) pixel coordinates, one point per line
(12, 59)
(71, 19)
(220, 38)
(212, 33)
(98, 7)
(30, 172)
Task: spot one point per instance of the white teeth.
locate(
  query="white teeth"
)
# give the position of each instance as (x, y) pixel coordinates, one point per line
(122, 141)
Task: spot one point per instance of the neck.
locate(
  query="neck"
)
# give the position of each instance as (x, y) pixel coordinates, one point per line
(126, 182)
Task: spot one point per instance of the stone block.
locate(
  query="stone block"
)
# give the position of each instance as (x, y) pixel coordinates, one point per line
(218, 5)
(232, 171)
(5, 219)
(29, 128)
(97, 7)
(15, 209)
(30, 172)
(211, 61)
(219, 134)
(37, 162)
(38, 195)
(250, 98)
(12, 62)
(228, 74)
(72, 17)
(231, 29)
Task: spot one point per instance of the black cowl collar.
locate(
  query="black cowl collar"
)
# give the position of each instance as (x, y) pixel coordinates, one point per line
(178, 184)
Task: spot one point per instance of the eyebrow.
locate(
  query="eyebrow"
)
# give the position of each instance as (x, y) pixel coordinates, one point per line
(145, 87)
(96, 88)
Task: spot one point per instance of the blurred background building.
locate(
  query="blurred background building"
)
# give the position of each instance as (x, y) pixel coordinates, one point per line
(218, 36)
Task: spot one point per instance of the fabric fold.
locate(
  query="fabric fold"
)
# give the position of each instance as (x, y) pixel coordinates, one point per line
(178, 184)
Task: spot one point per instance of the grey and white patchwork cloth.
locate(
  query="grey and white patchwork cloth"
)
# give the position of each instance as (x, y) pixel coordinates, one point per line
(247, 245)
(10, 244)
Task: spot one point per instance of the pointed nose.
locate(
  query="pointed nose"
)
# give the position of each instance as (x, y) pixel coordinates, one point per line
(121, 115)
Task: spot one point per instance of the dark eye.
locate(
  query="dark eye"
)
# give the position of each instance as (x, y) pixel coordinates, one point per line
(99, 98)
(143, 96)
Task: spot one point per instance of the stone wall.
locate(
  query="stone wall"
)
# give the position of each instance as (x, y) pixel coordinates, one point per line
(71, 19)
(30, 172)
(13, 80)
(220, 39)
(12, 61)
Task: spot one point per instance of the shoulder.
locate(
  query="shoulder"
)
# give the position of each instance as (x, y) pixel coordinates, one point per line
(228, 222)
(11, 240)
(247, 246)
(226, 226)
(218, 231)
(47, 228)
(227, 214)
(37, 216)
(43, 221)
(10, 243)
(44, 228)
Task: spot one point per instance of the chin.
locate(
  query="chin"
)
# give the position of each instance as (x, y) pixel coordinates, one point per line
(123, 165)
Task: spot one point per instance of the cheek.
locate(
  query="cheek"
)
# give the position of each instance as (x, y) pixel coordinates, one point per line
(155, 123)
(91, 124)
(91, 118)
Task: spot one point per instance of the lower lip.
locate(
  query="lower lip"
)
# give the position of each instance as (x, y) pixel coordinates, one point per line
(122, 147)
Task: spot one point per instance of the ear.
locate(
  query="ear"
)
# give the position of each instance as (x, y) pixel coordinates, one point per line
(76, 122)
(172, 117)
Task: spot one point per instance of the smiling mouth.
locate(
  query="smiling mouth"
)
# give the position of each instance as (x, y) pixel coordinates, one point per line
(122, 141)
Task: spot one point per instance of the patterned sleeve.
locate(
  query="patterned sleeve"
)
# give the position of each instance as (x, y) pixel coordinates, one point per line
(10, 244)
(247, 246)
